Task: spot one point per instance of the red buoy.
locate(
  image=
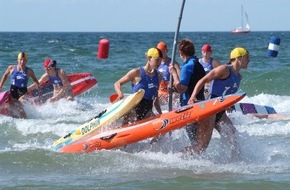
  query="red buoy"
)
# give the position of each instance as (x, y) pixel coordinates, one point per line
(103, 52)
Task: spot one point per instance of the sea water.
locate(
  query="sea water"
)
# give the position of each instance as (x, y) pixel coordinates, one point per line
(28, 162)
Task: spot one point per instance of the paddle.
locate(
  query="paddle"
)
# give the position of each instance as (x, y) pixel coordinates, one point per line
(173, 55)
(114, 97)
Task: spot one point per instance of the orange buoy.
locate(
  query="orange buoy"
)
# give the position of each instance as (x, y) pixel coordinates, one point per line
(103, 52)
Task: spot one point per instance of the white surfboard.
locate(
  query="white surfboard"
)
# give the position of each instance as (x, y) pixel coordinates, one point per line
(249, 108)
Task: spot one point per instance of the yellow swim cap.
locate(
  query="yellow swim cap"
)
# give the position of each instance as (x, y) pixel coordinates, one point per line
(22, 55)
(154, 52)
(238, 52)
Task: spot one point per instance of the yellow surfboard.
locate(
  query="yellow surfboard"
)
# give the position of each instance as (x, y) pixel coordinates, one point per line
(109, 115)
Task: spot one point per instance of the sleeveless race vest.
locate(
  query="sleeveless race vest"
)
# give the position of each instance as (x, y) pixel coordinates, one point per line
(19, 78)
(206, 65)
(163, 68)
(230, 84)
(150, 85)
(56, 81)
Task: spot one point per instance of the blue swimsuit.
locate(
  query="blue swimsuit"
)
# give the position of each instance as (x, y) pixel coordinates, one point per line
(230, 85)
(18, 81)
(163, 68)
(55, 81)
(150, 86)
(206, 65)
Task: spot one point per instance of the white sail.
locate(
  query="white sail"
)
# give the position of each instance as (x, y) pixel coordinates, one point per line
(243, 29)
(247, 24)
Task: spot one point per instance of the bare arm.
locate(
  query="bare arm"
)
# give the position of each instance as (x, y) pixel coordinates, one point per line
(177, 67)
(176, 81)
(65, 83)
(32, 75)
(216, 63)
(64, 79)
(42, 80)
(5, 75)
(130, 76)
(217, 73)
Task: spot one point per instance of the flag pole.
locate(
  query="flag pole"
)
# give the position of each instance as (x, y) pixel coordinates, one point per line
(173, 55)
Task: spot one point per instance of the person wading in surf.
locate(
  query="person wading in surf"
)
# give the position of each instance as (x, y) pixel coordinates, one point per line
(59, 80)
(146, 78)
(225, 79)
(191, 72)
(20, 74)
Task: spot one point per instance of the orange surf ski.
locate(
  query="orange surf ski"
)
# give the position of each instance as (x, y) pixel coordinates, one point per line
(153, 126)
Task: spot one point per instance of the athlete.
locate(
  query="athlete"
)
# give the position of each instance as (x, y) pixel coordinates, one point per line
(147, 78)
(191, 72)
(225, 80)
(57, 77)
(208, 64)
(20, 74)
(163, 68)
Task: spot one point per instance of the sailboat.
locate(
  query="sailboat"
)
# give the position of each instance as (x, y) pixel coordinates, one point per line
(242, 29)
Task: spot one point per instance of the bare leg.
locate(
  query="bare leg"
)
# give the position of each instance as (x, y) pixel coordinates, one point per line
(191, 131)
(203, 135)
(228, 132)
(16, 108)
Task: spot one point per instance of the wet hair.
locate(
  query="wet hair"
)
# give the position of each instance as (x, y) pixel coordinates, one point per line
(159, 52)
(21, 55)
(186, 47)
(54, 63)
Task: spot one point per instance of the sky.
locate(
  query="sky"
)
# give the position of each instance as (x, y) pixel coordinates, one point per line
(141, 15)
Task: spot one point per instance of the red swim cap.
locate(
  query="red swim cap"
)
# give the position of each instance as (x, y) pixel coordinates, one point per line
(47, 63)
(206, 48)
